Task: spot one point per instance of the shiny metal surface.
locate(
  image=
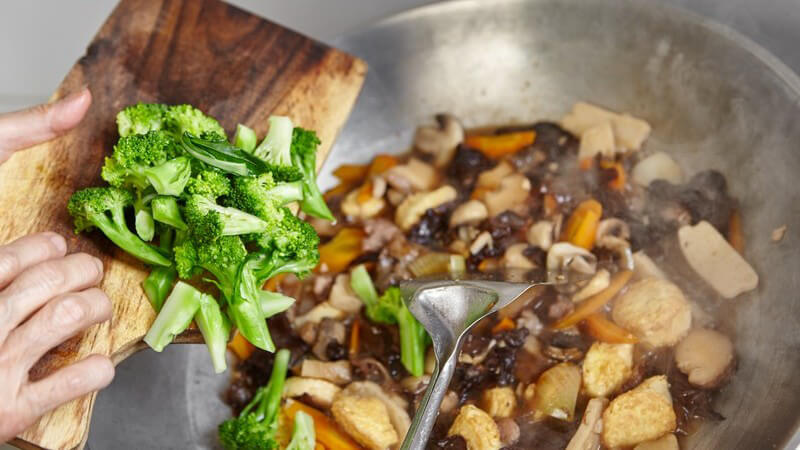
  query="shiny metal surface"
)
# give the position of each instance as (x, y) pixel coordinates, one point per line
(448, 310)
(715, 100)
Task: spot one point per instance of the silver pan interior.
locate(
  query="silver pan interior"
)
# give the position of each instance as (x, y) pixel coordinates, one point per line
(715, 100)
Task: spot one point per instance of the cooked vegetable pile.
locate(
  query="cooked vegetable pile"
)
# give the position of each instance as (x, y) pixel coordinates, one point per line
(628, 355)
(215, 215)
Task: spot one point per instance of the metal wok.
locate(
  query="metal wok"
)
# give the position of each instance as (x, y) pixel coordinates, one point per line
(715, 100)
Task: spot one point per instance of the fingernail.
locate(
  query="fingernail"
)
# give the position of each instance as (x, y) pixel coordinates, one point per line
(99, 264)
(58, 242)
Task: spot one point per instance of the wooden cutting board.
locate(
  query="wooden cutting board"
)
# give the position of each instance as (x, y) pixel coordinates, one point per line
(227, 62)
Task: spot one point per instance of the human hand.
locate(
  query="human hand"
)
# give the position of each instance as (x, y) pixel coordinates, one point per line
(46, 296)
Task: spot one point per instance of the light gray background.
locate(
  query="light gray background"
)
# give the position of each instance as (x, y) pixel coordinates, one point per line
(40, 40)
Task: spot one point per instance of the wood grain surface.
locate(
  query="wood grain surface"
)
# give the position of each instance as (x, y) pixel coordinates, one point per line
(229, 63)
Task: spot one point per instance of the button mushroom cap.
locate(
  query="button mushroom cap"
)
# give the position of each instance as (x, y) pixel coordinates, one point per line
(330, 330)
(655, 310)
(366, 420)
(540, 234)
(564, 256)
(587, 436)
(414, 206)
(477, 428)
(705, 356)
(493, 177)
(666, 442)
(613, 234)
(516, 259)
(472, 211)
(319, 312)
(414, 175)
(715, 261)
(606, 367)
(342, 296)
(641, 414)
(658, 166)
(337, 372)
(510, 195)
(440, 140)
(499, 401)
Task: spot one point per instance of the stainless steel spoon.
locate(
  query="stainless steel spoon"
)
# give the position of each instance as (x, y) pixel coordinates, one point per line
(448, 310)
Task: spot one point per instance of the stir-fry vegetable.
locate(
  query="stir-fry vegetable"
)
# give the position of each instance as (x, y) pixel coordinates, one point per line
(501, 145)
(581, 228)
(597, 301)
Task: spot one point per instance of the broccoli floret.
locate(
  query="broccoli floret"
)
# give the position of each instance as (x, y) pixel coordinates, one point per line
(186, 118)
(304, 157)
(104, 208)
(169, 178)
(221, 258)
(209, 221)
(255, 427)
(140, 118)
(134, 154)
(261, 195)
(303, 435)
(276, 146)
(391, 309)
(209, 183)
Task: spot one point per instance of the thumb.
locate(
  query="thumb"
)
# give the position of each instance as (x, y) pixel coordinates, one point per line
(23, 129)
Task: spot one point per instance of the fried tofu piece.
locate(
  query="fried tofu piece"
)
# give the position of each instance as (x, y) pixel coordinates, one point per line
(366, 420)
(644, 413)
(666, 442)
(499, 401)
(606, 367)
(321, 392)
(655, 310)
(477, 428)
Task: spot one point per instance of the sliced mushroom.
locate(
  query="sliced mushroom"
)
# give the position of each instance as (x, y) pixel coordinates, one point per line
(466, 358)
(415, 175)
(493, 177)
(514, 257)
(565, 257)
(540, 234)
(658, 166)
(321, 392)
(338, 372)
(330, 332)
(449, 403)
(509, 431)
(414, 206)
(713, 258)
(597, 283)
(319, 312)
(440, 140)
(705, 356)
(587, 436)
(510, 195)
(342, 296)
(469, 212)
(655, 310)
(483, 240)
(613, 234)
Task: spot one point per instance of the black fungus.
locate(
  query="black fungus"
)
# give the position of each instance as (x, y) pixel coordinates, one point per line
(467, 164)
(335, 351)
(432, 228)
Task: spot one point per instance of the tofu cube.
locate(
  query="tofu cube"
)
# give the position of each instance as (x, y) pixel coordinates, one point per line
(499, 401)
(366, 420)
(642, 414)
(606, 367)
(477, 428)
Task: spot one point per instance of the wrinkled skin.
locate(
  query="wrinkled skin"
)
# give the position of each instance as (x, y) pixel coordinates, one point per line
(46, 295)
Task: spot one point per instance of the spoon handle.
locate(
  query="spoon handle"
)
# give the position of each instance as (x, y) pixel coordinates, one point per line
(428, 411)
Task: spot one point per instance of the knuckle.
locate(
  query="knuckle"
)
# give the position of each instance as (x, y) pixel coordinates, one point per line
(9, 261)
(100, 303)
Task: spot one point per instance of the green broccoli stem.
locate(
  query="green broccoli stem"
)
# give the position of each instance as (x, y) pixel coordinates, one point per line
(287, 192)
(304, 157)
(273, 303)
(276, 146)
(268, 409)
(215, 329)
(170, 177)
(361, 283)
(175, 316)
(412, 342)
(145, 227)
(117, 231)
(245, 138)
(245, 306)
(303, 435)
(157, 285)
(166, 210)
